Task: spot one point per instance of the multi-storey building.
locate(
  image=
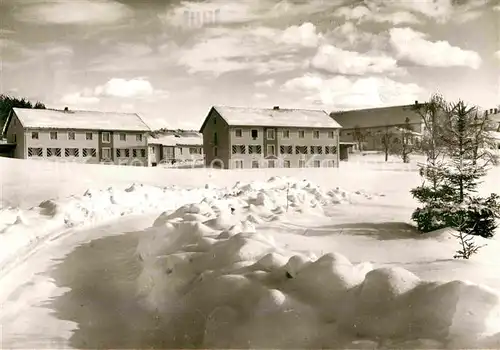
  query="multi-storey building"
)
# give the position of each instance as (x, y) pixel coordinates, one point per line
(366, 128)
(237, 137)
(79, 136)
(179, 147)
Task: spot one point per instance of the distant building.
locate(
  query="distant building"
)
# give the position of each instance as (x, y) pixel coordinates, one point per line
(237, 137)
(176, 148)
(79, 136)
(367, 127)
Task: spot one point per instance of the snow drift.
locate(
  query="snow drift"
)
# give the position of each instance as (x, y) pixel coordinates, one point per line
(217, 282)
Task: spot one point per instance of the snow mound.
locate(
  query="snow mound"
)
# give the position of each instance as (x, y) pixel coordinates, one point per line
(220, 283)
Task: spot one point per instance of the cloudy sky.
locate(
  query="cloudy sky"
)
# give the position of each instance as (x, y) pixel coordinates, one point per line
(170, 60)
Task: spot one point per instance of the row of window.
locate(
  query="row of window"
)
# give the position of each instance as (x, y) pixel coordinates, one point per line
(85, 152)
(285, 134)
(106, 136)
(257, 149)
(273, 163)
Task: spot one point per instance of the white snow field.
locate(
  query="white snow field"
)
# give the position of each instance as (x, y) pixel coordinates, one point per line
(118, 257)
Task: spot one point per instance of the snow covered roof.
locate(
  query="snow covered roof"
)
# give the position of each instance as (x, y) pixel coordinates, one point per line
(377, 117)
(73, 119)
(282, 117)
(177, 140)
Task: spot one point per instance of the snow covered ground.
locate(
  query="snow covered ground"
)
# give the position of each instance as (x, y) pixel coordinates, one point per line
(285, 258)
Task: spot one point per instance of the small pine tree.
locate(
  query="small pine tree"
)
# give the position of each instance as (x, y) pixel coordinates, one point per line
(454, 182)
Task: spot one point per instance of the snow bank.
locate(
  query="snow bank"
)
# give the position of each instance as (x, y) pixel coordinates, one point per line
(22, 230)
(217, 282)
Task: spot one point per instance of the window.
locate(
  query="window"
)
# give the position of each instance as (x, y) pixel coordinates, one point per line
(302, 163)
(123, 136)
(317, 164)
(316, 150)
(53, 152)
(300, 149)
(271, 151)
(88, 136)
(35, 152)
(53, 135)
(286, 134)
(71, 135)
(215, 120)
(330, 149)
(127, 153)
(255, 164)
(143, 153)
(254, 149)
(270, 134)
(34, 135)
(134, 153)
(238, 164)
(315, 134)
(331, 134)
(118, 153)
(195, 150)
(215, 140)
(215, 152)
(180, 150)
(255, 134)
(286, 164)
(271, 163)
(302, 134)
(106, 137)
(286, 149)
(152, 150)
(89, 152)
(238, 133)
(106, 152)
(15, 137)
(71, 152)
(238, 149)
(138, 137)
(331, 163)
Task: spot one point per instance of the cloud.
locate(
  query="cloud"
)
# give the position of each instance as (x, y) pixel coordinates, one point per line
(334, 60)
(265, 83)
(71, 12)
(304, 35)
(413, 46)
(373, 13)
(497, 54)
(261, 49)
(441, 11)
(342, 92)
(78, 99)
(260, 96)
(122, 88)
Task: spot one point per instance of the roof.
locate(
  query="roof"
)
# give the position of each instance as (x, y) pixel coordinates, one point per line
(177, 140)
(73, 119)
(283, 117)
(376, 117)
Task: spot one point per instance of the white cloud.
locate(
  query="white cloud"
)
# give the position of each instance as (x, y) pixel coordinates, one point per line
(260, 96)
(373, 13)
(78, 99)
(304, 35)
(334, 60)
(413, 46)
(265, 83)
(342, 92)
(497, 54)
(117, 87)
(441, 11)
(71, 12)
(262, 49)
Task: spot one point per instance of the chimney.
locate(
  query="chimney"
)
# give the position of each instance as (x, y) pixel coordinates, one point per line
(276, 108)
(66, 109)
